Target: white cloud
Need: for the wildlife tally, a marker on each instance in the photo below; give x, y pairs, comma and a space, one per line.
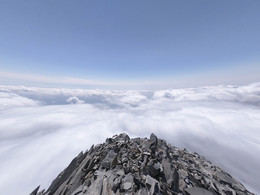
41, 132
14, 100
244, 94
74, 100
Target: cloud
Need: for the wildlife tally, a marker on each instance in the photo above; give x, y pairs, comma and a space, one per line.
41, 131
243, 94
14, 100
74, 100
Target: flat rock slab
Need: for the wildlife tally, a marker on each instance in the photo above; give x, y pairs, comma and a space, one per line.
197, 191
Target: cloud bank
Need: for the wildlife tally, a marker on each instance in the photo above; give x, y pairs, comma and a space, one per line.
42, 129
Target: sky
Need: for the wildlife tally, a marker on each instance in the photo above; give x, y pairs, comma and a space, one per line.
129, 44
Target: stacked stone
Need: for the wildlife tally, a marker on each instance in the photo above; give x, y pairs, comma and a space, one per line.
141, 166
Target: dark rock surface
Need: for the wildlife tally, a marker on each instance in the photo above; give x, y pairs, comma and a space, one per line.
141, 166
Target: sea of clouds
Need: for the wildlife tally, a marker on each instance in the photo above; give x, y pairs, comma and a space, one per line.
43, 129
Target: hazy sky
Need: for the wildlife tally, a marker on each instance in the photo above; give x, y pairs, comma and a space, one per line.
102, 42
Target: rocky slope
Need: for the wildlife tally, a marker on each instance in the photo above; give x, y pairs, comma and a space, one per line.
141, 166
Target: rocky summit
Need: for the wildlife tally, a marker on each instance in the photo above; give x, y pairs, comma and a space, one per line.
141, 166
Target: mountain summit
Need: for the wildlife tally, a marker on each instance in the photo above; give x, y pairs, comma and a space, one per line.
141, 166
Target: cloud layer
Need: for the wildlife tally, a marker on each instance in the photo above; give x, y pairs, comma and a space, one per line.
42, 129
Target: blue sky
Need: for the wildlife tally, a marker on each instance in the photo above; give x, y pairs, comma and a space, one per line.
131, 42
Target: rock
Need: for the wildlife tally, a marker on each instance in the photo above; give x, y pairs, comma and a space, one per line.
153, 170
142, 191
141, 166
226, 179
122, 138
127, 182
34, 192
197, 191
64, 175
110, 160
167, 170
175, 182
78, 191
96, 187
153, 142
152, 185
158, 166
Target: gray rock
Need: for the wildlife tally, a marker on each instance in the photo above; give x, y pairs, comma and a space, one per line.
197, 191
96, 187
34, 192
153, 142
110, 160
152, 185
225, 178
128, 182
141, 166
78, 191
64, 175
142, 191
122, 138
153, 171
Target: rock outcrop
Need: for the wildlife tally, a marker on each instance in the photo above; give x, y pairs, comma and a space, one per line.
141, 166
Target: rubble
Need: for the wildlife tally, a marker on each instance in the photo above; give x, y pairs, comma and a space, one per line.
141, 166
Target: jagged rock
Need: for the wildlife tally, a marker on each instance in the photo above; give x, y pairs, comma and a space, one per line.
141, 166
110, 160
128, 182
197, 191
34, 192
152, 185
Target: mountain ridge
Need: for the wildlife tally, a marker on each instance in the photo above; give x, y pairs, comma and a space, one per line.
141, 166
